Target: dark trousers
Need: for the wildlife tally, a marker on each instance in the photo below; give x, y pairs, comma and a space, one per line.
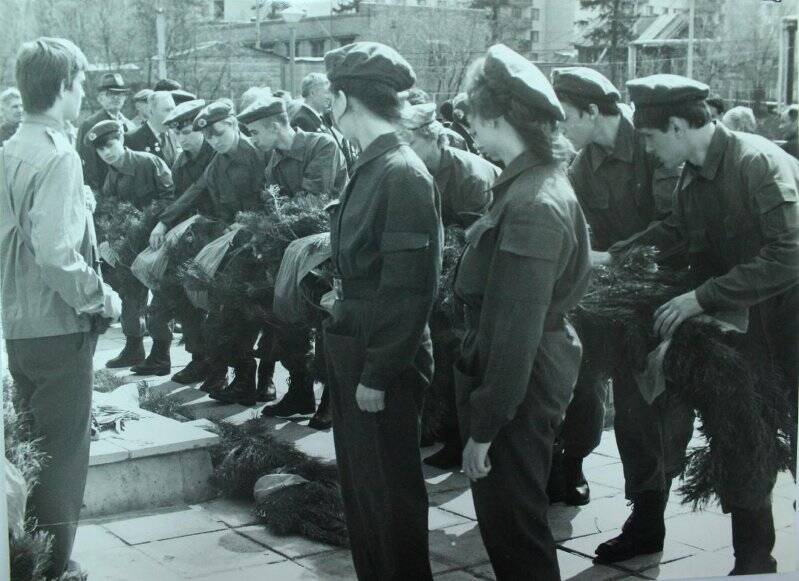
158, 318
54, 378
383, 489
134, 311
582, 426
230, 336
651, 438
160, 313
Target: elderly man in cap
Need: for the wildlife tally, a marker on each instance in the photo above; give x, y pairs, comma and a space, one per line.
142, 109
736, 208
316, 101
137, 178
300, 162
622, 189
10, 112
111, 94
154, 136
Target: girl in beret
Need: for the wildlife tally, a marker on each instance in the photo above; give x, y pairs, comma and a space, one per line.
525, 265
386, 250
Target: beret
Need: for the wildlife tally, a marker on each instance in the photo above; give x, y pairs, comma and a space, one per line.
507, 70
213, 112
261, 109
167, 85
584, 83
184, 113
665, 90
416, 116
98, 135
142, 95
112, 82
181, 96
370, 61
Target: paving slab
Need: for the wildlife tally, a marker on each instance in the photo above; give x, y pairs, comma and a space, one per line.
283, 571
704, 530
92, 537
572, 567
122, 564
702, 565
232, 512
335, 566
459, 502
672, 550
291, 546
167, 525
441, 519
459, 575
458, 546
602, 514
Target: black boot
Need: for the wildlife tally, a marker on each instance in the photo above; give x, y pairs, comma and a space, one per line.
575, 487
132, 354
158, 361
753, 540
449, 457
642, 534
242, 388
196, 370
266, 386
299, 400
322, 420
216, 378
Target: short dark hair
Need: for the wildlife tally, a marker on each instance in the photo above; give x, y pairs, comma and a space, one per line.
43, 67
537, 128
381, 99
696, 113
583, 104
793, 112
717, 103
310, 81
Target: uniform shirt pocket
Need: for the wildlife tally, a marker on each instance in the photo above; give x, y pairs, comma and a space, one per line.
406, 261
523, 269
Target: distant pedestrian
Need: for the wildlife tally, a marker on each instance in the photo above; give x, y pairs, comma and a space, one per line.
740, 119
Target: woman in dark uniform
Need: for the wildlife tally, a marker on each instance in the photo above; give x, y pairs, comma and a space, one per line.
526, 264
386, 249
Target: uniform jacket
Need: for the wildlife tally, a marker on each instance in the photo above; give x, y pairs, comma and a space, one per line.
622, 190
232, 182
314, 164
791, 145
94, 169
140, 179
144, 139
7, 130
386, 236
308, 120
464, 181
186, 171
54, 290
525, 265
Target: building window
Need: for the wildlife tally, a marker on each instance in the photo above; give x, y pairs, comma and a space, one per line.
516, 12
318, 47
534, 56
524, 46
345, 40
534, 35
536, 14
219, 9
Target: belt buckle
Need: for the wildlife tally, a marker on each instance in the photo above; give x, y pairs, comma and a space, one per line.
338, 289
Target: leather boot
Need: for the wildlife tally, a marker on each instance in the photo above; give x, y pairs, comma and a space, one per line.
576, 491
196, 370
322, 419
642, 534
216, 378
299, 400
753, 540
242, 389
132, 354
158, 361
266, 386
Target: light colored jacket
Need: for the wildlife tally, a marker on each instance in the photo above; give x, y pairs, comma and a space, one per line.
49, 284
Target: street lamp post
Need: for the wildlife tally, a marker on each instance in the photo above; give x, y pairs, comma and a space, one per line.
292, 16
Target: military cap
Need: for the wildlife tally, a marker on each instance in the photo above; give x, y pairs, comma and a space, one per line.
167, 85
98, 135
584, 83
181, 96
113, 83
213, 112
370, 61
184, 113
416, 116
665, 90
261, 109
142, 95
507, 70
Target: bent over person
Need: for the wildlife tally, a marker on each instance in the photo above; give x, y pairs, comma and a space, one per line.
386, 239
54, 301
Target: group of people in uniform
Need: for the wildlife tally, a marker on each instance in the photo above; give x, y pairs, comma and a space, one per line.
548, 178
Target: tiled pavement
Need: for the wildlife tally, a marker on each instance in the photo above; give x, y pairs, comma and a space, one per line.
220, 540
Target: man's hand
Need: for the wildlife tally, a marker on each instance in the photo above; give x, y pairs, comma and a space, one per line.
671, 315
157, 236
476, 463
370, 400
599, 258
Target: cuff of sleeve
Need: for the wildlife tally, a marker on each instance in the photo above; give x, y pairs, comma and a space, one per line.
483, 428
375, 380
705, 295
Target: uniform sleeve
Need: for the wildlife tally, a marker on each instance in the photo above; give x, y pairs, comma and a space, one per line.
518, 293
164, 186
58, 226
186, 203
668, 235
579, 178
88, 156
410, 251
323, 171
472, 200
775, 268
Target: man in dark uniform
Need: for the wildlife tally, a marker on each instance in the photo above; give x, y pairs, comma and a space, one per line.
142, 109
736, 208
111, 95
154, 136
622, 189
232, 182
194, 157
300, 162
139, 179
10, 112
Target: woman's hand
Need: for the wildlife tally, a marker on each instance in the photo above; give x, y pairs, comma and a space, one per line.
157, 236
370, 400
476, 463
672, 314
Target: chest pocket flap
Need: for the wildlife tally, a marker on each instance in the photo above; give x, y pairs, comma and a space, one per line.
532, 241
398, 241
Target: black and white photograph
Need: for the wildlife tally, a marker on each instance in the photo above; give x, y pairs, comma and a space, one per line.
399, 290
